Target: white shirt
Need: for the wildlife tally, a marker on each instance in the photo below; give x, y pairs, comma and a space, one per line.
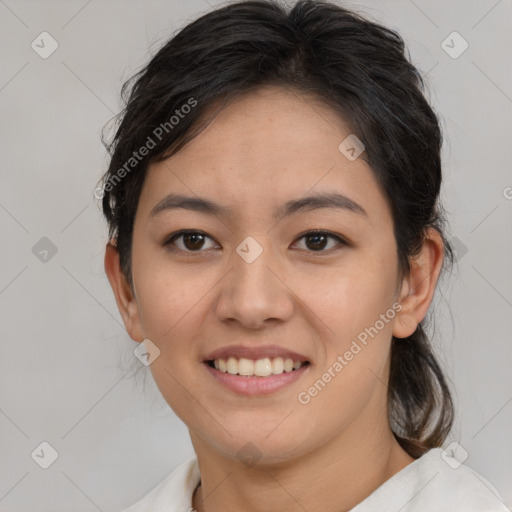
432, 483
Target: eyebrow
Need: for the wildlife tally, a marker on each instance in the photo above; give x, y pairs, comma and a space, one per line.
308, 203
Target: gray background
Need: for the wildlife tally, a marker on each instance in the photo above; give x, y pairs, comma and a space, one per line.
64, 353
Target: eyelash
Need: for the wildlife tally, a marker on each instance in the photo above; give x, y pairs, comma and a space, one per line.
174, 236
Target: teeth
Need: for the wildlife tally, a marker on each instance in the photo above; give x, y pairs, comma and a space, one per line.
261, 367
277, 365
232, 366
245, 366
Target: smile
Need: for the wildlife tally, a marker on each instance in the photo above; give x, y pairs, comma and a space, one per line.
261, 367
249, 383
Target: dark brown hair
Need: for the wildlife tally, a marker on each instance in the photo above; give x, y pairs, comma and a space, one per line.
353, 65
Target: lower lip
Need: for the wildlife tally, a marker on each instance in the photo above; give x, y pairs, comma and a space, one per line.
254, 385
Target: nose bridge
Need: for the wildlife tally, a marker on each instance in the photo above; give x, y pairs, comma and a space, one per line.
251, 262
253, 293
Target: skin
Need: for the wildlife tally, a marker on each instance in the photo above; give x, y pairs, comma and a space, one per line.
264, 149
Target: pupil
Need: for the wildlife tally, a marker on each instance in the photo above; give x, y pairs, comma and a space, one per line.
189, 241
316, 237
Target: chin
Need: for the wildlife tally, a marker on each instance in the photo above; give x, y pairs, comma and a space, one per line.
259, 449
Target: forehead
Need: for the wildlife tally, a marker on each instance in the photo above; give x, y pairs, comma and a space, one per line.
262, 149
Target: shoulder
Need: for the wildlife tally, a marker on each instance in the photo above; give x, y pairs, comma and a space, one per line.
456, 485
173, 493
435, 481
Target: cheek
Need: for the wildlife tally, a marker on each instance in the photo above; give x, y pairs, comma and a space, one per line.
169, 297
171, 306
353, 366
353, 300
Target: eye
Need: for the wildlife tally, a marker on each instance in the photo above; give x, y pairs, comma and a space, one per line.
192, 241
316, 241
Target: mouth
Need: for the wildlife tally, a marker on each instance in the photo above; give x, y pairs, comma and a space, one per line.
255, 377
255, 370
264, 368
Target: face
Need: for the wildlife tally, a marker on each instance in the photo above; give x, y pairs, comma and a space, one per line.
250, 280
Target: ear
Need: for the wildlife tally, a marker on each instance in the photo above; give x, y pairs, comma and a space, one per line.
418, 288
126, 301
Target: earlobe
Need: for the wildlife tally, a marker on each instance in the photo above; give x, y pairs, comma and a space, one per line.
126, 302
419, 286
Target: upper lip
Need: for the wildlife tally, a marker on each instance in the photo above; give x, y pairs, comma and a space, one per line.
259, 352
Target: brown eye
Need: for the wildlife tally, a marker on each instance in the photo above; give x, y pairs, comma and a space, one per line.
317, 241
192, 241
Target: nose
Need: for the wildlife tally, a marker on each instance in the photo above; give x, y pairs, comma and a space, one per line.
254, 294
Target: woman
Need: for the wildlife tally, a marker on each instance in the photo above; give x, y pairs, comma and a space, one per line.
275, 243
